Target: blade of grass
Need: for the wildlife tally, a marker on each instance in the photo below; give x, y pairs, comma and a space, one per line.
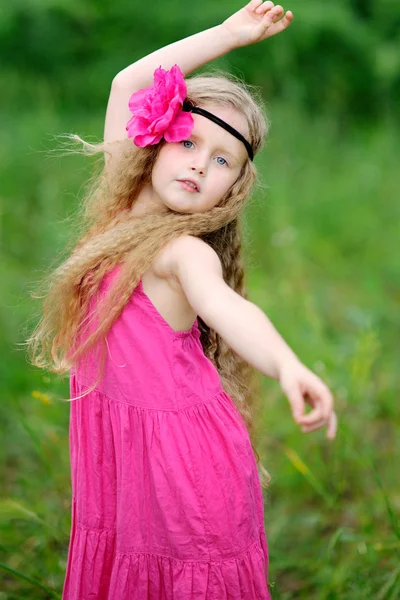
395, 591
37, 442
311, 478
50, 591
388, 585
367, 459
10, 509
389, 508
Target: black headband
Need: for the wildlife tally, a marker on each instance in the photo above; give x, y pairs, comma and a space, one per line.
189, 107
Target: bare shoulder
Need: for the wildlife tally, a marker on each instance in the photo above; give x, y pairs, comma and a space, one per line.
193, 271
185, 254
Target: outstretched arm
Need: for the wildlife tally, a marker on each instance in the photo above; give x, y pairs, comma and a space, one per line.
248, 331
251, 24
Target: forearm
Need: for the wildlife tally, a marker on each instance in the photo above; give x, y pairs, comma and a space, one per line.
190, 54
249, 332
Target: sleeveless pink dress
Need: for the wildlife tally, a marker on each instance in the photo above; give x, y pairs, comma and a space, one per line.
166, 497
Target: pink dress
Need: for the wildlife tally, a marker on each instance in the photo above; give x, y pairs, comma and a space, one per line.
166, 496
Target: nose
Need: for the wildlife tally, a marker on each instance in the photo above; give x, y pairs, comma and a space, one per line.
198, 170
199, 164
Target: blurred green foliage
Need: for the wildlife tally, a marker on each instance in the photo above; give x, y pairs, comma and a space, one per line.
323, 263
341, 56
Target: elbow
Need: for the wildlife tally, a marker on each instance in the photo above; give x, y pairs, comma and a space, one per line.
118, 81
222, 309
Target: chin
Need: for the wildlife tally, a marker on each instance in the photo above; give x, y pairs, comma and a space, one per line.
179, 209
183, 209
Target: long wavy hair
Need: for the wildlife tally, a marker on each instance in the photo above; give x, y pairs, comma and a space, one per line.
106, 234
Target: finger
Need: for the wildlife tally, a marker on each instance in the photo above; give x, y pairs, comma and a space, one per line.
296, 402
332, 427
312, 417
325, 397
318, 425
321, 397
284, 23
276, 13
322, 411
272, 15
265, 6
277, 26
254, 4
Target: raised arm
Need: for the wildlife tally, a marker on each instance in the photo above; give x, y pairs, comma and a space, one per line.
189, 53
253, 23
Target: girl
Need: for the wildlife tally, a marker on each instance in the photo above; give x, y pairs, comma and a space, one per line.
166, 495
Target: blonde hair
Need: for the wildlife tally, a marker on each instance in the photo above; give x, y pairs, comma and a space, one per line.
107, 234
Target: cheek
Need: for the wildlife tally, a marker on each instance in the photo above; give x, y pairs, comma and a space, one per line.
165, 164
224, 181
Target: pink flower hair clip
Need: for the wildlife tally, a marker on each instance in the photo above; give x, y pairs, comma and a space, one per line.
157, 110
163, 111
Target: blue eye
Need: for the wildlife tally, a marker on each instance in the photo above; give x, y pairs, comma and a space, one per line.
184, 142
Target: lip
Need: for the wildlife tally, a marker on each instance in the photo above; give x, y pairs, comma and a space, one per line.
192, 181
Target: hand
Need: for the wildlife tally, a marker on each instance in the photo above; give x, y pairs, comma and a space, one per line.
302, 386
257, 21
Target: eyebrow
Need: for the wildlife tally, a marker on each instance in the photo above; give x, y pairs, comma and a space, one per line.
218, 147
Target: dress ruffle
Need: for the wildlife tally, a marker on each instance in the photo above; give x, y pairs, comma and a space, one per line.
142, 575
124, 534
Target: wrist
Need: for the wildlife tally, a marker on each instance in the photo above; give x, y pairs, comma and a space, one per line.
230, 39
285, 363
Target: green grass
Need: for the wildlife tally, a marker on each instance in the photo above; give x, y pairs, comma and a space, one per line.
322, 249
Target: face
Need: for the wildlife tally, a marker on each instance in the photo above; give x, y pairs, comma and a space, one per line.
212, 157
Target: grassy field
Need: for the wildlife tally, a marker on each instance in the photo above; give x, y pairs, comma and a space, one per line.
323, 263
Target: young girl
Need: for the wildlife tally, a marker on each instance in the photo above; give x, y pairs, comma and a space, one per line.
166, 495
